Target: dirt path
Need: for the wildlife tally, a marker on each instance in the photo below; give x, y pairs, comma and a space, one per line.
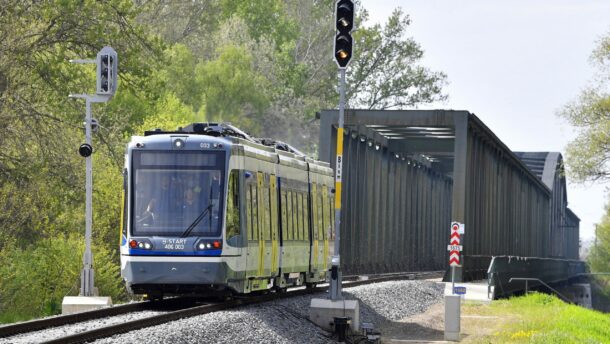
429, 327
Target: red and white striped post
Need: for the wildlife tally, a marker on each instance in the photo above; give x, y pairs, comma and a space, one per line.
454, 249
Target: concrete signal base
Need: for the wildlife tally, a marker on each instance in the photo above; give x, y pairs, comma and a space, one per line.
323, 311
452, 317
77, 304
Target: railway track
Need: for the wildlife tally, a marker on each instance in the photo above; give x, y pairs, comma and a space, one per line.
179, 308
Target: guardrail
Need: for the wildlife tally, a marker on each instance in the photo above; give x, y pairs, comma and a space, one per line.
541, 282
549, 271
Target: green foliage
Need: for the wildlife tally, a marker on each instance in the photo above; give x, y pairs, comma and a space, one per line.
179, 75
543, 318
588, 155
599, 256
264, 18
264, 65
230, 85
35, 279
385, 73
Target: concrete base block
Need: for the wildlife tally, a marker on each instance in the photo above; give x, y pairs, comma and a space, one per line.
452, 317
323, 311
77, 304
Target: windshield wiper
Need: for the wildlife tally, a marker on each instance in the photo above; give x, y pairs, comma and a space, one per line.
201, 216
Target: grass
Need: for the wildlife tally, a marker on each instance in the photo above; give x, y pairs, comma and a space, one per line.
535, 318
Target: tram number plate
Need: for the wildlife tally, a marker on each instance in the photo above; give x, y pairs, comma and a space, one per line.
173, 244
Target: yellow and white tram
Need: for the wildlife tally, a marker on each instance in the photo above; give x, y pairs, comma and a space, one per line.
209, 209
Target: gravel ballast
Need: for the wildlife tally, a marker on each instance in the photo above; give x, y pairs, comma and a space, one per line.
286, 320
66, 330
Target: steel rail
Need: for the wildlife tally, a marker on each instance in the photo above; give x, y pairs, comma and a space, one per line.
41, 324
108, 331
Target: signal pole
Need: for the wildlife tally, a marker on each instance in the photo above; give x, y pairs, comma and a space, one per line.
107, 69
334, 312
344, 21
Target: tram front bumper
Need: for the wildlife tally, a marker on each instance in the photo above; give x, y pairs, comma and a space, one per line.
163, 270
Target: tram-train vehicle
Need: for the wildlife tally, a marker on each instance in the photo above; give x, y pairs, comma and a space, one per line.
209, 209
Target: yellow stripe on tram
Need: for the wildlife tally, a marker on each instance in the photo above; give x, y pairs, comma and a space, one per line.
274, 226
261, 223
122, 217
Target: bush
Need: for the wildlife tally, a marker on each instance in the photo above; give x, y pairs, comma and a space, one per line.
35, 279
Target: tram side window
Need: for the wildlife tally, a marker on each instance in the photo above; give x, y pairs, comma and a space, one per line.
306, 215
295, 215
284, 222
326, 211
321, 205
302, 213
299, 215
255, 213
289, 211
252, 211
233, 205
249, 229
331, 207
267, 212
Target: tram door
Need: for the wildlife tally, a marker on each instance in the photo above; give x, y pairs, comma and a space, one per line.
319, 194
263, 224
263, 236
254, 259
268, 225
315, 227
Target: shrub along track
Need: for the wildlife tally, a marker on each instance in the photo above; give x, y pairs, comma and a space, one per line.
177, 308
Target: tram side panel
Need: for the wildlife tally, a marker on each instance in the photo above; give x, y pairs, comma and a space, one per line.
261, 253
321, 211
294, 221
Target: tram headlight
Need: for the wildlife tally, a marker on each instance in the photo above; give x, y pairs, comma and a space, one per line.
208, 245
178, 143
143, 244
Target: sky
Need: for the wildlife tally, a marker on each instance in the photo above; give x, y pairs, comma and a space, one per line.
514, 64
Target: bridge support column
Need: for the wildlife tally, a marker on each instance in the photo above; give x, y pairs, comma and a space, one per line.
460, 160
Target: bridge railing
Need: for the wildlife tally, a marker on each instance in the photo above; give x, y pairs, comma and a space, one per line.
529, 272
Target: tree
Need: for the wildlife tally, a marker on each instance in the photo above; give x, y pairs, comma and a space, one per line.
599, 256
588, 156
264, 65
41, 173
385, 73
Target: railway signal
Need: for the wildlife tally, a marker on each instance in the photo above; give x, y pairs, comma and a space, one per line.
85, 150
106, 83
107, 70
344, 21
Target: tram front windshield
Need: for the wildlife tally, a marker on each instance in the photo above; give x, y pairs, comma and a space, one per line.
177, 193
